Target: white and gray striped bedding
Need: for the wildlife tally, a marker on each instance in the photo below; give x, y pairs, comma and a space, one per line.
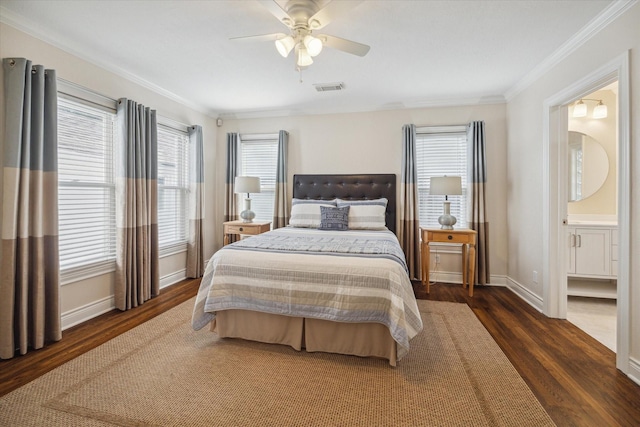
344, 276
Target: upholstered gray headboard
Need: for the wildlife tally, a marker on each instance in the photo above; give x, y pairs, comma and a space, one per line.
349, 187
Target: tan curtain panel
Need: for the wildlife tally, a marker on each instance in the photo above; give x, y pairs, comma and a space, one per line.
477, 203
30, 269
409, 229
230, 200
195, 242
281, 207
137, 273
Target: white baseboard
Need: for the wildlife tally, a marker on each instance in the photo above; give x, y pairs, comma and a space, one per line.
529, 297
88, 311
78, 315
634, 370
173, 278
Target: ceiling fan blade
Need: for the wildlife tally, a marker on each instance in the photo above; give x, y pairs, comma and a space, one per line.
344, 45
335, 9
259, 38
280, 14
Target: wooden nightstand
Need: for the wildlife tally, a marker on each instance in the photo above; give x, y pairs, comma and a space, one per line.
462, 237
240, 227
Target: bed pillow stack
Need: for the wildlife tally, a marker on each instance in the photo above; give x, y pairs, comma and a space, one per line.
362, 214
305, 213
366, 214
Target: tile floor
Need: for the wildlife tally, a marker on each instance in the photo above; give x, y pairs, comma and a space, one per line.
595, 316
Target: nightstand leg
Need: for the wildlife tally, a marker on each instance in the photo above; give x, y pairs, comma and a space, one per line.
426, 261
465, 265
472, 268
226, 239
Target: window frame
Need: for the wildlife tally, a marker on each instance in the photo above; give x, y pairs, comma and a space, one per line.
76, 94
271, 138
459, 131
175, 247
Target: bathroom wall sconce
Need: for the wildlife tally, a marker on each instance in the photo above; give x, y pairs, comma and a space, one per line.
599, 112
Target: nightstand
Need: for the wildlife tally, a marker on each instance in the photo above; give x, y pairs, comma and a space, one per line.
245, 228
464, 237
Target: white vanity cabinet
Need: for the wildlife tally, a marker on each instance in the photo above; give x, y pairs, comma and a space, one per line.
593, 251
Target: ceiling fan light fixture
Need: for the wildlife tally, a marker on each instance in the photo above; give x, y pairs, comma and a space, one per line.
313, 45
285, 45
580, 109
304, 59
600, 111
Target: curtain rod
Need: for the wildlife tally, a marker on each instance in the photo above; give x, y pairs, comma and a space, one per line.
88, 95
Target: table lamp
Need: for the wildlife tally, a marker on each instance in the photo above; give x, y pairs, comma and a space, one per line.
447, 186
247, 184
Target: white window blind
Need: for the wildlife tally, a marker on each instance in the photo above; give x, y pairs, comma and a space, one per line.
258, 157
173, 186
441, 151
86, 191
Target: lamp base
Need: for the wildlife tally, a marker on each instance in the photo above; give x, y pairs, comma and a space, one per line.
247, 214
446, 220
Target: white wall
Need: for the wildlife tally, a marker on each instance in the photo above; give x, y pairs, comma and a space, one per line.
88, 296
525, 153
372, 143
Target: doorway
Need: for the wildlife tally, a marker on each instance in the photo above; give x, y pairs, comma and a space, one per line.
555, 207
591, 235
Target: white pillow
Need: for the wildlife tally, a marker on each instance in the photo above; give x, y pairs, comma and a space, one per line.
366, 214
305, 213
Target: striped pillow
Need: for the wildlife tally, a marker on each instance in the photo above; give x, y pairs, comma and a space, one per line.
305, 213
366, 214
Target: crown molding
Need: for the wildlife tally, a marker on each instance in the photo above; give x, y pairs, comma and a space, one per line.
20, 23
601, 21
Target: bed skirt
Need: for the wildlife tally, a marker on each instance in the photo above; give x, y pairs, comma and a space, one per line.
358, 339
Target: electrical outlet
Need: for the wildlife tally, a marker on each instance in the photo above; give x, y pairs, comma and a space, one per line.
437, 258
534, 276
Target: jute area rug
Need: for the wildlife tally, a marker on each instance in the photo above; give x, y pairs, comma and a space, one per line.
164, 374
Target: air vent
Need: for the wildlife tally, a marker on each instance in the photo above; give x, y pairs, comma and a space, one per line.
325, 87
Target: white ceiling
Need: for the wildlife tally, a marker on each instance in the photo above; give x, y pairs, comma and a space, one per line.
422, 53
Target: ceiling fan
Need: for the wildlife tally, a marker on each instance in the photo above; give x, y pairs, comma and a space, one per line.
303, 17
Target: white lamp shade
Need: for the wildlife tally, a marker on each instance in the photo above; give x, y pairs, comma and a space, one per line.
445, 185
284, 45
580, 109
600, 112
304, 59
247, 184
313, 45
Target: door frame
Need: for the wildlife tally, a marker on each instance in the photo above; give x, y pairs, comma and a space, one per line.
555, 128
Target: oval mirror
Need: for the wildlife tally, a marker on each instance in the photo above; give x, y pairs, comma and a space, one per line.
588, 166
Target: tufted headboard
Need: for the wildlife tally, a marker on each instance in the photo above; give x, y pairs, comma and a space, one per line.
349, 187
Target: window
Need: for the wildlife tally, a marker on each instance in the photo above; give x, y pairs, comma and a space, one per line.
441, 151
86, 190
258, 157
173, 186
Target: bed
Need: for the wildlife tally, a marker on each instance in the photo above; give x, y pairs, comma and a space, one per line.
327, 290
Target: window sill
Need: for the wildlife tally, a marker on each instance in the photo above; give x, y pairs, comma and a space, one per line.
173, 249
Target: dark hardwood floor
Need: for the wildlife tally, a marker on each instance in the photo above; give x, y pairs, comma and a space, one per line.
572, 374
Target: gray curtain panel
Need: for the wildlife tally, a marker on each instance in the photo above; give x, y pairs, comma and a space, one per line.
281, 207
195, 242
29, 282
409, 229
477, 203
230, 200
137, 273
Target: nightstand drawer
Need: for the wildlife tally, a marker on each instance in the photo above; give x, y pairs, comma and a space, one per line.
242, 229
449, 237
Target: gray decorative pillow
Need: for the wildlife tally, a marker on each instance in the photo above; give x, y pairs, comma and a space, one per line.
336, 219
